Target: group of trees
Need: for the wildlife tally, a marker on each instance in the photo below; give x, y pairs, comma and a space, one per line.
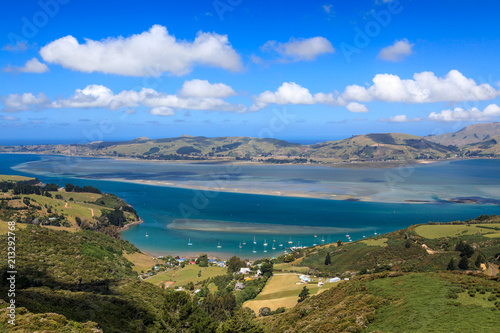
86, 189
466, 251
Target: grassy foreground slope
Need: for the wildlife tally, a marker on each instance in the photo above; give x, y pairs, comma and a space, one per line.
82, 276
397, 302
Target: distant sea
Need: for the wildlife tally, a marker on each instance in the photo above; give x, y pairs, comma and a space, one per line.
175, 217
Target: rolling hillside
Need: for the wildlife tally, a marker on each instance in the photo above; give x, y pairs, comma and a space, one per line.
369, 147
468, 135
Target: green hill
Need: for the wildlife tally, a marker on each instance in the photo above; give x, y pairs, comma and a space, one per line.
369, 147
468, 135
397, 302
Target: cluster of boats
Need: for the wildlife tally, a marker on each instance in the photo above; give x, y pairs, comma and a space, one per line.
274, 244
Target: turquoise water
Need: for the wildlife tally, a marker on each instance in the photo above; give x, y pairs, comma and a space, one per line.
228, 218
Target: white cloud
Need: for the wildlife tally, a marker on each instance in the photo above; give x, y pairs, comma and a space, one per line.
425, 87
98, 96
292, 93
491, 112
9, 118
300, 49
18, 47
24, 102
401, 118
32, 66
162, 111
397, 51
356, 107
203, 89
327, 8
150, 53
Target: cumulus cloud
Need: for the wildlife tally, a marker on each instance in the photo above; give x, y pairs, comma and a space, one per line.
24, 102
300, 49
356, 107
397, 51
400, 118
491, 112
204, 89
98, 96
162, 111
425, 87
292, 93
32, 66
150, 53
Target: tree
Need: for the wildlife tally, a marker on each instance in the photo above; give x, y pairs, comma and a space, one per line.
234, 264
303, 294
242, 321
328, 260
465, 249
463, 263
479, 260
202, 260
267, 269
264, 312
452, 265
339, 243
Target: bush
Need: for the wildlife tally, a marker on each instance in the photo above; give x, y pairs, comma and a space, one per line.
264, 312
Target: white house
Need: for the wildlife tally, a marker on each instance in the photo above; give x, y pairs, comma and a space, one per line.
305, 278
244, 270
335, 279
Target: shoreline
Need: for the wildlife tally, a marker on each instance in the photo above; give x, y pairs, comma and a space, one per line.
324, 196
338, 164
131, 225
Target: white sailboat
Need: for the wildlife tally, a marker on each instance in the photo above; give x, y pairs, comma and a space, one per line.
189, 242
147, 234
290, 241
265, 242
240, 246
254, 241
323, 239
219, 246
254, 250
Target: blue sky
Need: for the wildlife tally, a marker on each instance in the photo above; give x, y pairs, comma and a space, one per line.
80, 71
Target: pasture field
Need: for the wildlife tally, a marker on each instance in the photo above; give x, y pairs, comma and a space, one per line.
452, 230
284, 267
375, 242
141, 261
283, 290
11, 178
4, 227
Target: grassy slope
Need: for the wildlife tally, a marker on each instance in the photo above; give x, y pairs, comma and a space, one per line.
392, 146
454, 230
422, 299
416, 302
283, 291
391, 249
82, 205
9, 178
78, 275
468, 135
